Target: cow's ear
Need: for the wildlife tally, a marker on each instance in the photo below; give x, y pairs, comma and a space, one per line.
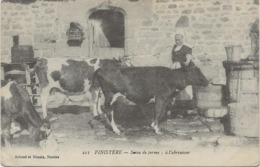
184, 67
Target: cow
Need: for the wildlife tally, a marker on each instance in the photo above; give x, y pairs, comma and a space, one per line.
70, 77
141, 84
16, 106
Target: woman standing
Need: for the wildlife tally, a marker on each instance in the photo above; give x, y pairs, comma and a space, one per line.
182, 56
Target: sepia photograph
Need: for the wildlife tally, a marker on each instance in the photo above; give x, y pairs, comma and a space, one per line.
130, 83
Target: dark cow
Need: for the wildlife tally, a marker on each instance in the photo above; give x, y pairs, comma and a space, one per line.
141, 84
70, 77
16, 106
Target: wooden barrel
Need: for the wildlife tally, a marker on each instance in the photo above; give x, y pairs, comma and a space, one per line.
243, 84
209, 97
244, 119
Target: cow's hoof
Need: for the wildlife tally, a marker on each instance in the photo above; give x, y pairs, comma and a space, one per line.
159, 133
118, 133
153, 125
97, 117
16, 136
53, 119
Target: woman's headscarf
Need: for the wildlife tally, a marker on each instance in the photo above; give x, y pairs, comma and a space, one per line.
185, 36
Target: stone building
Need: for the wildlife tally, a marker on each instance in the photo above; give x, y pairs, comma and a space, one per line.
147, 27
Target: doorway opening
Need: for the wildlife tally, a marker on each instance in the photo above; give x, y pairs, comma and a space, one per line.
107, 33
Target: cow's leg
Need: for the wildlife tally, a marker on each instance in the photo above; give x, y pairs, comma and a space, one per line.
110, 113
6, 125
113, 124
161, 102
95, 105
45, 92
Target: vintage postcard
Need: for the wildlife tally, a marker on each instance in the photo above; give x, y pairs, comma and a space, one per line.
130, 83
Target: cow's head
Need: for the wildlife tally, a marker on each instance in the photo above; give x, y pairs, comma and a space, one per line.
43, 132
195, 76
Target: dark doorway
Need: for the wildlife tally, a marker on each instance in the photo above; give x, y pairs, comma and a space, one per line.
110, 25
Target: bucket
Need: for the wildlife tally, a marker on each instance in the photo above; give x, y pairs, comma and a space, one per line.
234, 52
244, 119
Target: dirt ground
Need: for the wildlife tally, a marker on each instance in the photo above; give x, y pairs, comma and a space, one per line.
75, 129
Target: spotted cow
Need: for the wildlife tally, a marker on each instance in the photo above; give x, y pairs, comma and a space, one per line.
70, 77
141, 84
16, 106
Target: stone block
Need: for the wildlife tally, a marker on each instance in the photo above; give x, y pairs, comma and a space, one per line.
13, 13
39, 25
28, 19
169, 17
25, 40
19, 7
6, 58
49, 25
175, 11
215, 112
207, 136
38, 37
172, 6
198, 25
150, 34
161, 1
253, 8
202, 129
227, 7
4, 52
12, 33
5, 26
188, 11
147, 23
51, 37
224, 19
231, 141
154, 29
199, 10
24, 13
213, 8
29, 26
206, 32
37, 53
35, 11
161, 12
44, 46
6, 42
17, 26
238, 8
44, 4
215, 126
49, 10
183, 21
35, 6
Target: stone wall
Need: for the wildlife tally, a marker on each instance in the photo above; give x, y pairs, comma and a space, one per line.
209, 25
150, 27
